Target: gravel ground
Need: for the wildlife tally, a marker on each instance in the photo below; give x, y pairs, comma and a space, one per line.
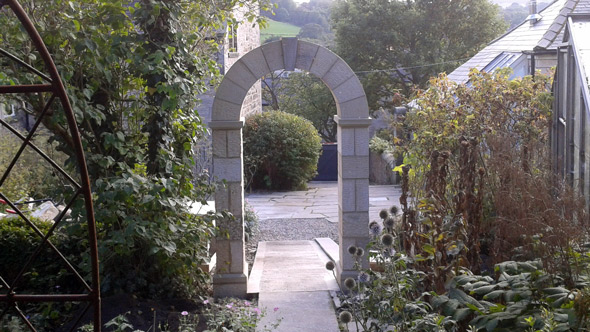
290, 229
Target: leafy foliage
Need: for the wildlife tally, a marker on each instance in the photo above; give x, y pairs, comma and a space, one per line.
512, 301
476, 154
477, 189
281, 150
133, 73
404, 43
25, 181
306, 96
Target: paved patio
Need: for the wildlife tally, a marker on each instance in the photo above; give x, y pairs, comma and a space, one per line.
319, 201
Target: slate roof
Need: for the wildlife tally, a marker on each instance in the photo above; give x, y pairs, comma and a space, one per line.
545, 34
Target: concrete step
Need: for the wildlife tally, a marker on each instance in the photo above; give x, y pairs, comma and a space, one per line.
291, 276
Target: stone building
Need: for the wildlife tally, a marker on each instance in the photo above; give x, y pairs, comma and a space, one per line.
237, 41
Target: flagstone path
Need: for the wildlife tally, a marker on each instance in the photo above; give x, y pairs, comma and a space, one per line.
291, 275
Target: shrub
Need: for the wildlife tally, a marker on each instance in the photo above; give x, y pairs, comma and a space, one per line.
250, 222
281, 151
379, 145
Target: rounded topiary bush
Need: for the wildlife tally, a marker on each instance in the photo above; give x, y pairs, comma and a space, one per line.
281, 151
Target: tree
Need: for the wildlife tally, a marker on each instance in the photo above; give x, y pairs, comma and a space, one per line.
306, 96
133, 73
403, 43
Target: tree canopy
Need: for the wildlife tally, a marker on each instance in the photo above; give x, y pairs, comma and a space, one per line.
403, 43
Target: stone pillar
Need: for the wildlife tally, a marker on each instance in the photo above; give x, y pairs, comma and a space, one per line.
231, 270
353, 191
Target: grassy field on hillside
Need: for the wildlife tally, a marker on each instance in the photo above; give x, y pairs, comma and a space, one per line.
279, 29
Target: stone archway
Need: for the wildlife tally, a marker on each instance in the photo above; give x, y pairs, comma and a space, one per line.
353, 152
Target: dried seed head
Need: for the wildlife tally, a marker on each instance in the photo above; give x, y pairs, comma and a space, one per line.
394, 210
360, 252
375, 229
383, 214
387, 240
349, 283
481, 171
330, 266
345, 317
352, 250
364, 277
389, 222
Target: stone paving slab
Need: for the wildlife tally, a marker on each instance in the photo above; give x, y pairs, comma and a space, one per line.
300, 311
319, 201
291, 276
293, 266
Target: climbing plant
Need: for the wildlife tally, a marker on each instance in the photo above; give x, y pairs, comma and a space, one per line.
133, 71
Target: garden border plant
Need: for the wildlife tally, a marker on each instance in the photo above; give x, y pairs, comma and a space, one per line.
478, 194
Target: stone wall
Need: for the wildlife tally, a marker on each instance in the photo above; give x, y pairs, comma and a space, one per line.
381, 168
248, 38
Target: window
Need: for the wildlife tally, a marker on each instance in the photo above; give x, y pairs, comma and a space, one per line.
232, 37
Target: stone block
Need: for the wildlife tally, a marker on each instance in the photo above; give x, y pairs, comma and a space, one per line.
361, 141
346, 195
354, 224
219, 143
346, 141
223, 253
255, 61
234, 144
224, 110
231, 92
273, 53
323, 62
306, 53
362, 194
338, 74
353, 167
241, 75
355, 108
289, 52
236, 199
221, 198
229, 169
349, 90
230, 285
238, 261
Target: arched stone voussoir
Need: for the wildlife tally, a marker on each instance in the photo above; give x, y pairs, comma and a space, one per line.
323, 62
225, 111
230, 91
353, 108
273, 54
306, 53
350, 90
255, 62
240, 74
337, 75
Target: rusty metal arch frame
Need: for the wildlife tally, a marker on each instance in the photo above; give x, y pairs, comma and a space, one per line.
54, 86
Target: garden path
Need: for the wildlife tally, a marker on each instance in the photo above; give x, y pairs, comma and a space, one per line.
291, 275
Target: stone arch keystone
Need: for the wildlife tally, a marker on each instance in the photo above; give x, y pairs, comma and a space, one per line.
353, 120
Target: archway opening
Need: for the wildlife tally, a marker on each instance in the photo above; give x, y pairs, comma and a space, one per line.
353, 152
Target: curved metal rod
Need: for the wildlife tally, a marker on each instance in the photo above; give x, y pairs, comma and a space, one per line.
60, 92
